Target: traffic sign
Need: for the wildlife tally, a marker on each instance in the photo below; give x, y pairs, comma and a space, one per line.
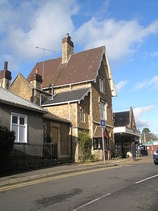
102, 123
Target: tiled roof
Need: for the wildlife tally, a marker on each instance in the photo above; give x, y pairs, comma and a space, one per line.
8, 97
82, 66
98, 132
67, 97
121, 118
54, 117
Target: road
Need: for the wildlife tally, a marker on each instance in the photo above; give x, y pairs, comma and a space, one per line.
129, 186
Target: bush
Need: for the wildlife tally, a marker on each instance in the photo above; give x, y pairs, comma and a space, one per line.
114, 153
7, 138
85, 142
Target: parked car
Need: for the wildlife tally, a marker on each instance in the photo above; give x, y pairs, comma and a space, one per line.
155, 157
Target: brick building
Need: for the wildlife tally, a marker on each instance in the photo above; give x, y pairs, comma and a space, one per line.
37, 124
81, 87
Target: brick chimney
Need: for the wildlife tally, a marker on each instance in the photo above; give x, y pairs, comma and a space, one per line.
5, 77
36, 80
67, 48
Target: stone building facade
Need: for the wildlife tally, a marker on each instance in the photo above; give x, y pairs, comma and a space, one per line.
88, 71
77, 87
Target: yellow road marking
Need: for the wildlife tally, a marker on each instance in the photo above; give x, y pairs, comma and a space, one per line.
38, 181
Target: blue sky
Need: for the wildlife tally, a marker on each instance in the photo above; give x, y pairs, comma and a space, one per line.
127, 28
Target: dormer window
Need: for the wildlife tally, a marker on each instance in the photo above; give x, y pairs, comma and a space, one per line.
101, 84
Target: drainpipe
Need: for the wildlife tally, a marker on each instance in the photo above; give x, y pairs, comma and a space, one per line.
70, 126
40, 99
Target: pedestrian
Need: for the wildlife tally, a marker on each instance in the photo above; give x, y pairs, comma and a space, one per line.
133, 150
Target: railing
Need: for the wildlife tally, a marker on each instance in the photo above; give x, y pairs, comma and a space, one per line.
34, 151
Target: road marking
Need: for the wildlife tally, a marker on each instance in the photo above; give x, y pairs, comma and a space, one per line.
51, 178
91, 202
146, 179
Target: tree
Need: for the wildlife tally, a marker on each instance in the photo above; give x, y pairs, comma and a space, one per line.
85, 142
147, 135
7, 139
145, 130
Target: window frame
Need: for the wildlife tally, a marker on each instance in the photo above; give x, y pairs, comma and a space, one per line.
82, 114
101, 84
20, 129
97, 144
103, 110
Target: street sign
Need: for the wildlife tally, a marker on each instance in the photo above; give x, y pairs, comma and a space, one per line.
102, 123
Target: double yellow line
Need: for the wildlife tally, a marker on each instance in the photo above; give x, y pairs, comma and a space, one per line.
52, 178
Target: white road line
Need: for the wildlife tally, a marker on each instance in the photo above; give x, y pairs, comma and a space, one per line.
146, 179
91, 202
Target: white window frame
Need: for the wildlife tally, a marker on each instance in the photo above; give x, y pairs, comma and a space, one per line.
20, 129
82, 115
101, 85
103, 110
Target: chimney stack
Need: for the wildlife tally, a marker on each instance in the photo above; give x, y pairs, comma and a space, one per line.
5, 65
5, 77
67, 48
36, 80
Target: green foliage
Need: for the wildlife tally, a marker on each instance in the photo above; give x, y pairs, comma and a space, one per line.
147, 135
85, 142
114, 153
90, 158
7, 139
145, 130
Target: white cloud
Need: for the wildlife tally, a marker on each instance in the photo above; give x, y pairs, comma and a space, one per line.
139, 112
139, 85
121, 85
145, 84
44, 23
154, 54
154, 82
28, 24
121, 38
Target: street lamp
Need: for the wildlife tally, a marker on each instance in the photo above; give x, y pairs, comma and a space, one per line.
44, 49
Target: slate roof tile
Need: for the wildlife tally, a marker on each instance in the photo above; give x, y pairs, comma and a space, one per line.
66, 97
82, 66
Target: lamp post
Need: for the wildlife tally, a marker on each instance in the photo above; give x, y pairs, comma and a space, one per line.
44, 49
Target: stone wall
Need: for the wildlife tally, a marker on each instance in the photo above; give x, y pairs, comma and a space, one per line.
21, 87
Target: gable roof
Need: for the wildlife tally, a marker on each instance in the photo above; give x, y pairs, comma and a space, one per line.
67, 97
121, 118
21, 76
125, 118
124, 122
81, 67
7, 97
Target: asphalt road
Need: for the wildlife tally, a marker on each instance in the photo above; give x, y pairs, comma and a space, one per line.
129, 186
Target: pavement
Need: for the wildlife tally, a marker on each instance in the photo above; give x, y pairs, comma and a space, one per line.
67, 169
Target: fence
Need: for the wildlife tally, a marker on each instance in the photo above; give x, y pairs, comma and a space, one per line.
33, 151
25, 157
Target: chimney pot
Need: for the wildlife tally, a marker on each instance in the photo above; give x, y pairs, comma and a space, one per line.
37, 70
